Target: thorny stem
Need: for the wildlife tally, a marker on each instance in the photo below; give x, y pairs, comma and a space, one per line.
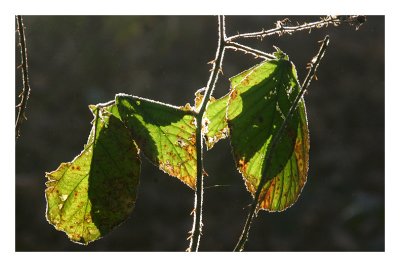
25, 80
281, 28
198, 200
246, 49
253, 209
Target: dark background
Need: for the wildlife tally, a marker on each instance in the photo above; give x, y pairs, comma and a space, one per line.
77, 61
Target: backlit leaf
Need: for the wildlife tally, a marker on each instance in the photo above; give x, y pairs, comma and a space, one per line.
214, 119
259, 100
96, 191
284, 189
166, 134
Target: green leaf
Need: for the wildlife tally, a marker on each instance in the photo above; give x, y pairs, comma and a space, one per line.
279, 54
166, 134
96, 191
284, 189
259, 100
215, 126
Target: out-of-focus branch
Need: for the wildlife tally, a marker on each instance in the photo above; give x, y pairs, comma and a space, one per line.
25, 80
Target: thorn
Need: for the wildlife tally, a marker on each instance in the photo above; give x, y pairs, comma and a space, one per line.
314, 60
221, 71
205, 173
19, 66
315, 77
19, 105
193, 211
190, 235
211, 61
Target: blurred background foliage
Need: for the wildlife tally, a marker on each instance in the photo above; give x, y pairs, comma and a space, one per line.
75, 61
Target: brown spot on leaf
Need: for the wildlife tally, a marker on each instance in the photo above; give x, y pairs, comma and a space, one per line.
245, 81
265, 200
242, 164
192, 139
234, 94
250, 187
190, 149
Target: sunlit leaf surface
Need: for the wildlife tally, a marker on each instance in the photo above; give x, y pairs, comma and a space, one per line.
166, 134
214, 120
258, 102
96, 191
284, 189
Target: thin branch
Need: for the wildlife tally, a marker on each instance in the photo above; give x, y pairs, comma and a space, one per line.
281, 27
25, 80
313, 65
198, 200
248, 50
107, 104
253, 209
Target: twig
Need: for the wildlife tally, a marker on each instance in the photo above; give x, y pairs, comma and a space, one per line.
311, 73
246, 49
107, 104
281, 27
25, 80
198, 200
